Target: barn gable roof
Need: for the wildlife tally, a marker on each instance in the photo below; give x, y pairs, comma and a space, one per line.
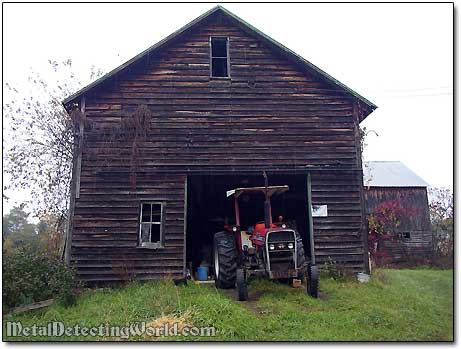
390, 174
369, 106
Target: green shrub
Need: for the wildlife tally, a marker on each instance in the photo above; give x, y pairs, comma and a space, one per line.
334, 270
31, 276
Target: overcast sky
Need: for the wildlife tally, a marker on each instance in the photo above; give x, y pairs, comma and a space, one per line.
399, 56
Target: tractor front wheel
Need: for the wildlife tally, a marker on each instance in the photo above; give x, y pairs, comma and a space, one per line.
313, 280
225, 260
242, 285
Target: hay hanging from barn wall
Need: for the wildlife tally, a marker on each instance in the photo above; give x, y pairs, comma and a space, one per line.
132, 129
137, 125
109, 137
136, 129
77, 117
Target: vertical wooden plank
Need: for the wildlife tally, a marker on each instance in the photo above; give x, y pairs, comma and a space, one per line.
427, 224
184, 257
80, 148
309, 215
210, 59
228, 57
70, 213
363, 225
76, 168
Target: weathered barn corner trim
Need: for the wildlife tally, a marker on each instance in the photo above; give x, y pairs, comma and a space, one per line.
81, 127
363, 226
78, 124
185, 229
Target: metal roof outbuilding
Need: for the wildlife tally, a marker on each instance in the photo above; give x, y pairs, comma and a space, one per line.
390, 174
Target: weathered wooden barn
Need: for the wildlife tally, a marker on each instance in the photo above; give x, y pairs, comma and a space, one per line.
209, 108
387, 181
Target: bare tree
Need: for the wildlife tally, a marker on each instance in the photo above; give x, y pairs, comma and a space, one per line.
38, 146
441, 206
441, 209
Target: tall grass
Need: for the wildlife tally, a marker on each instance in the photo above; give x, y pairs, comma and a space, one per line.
397, 305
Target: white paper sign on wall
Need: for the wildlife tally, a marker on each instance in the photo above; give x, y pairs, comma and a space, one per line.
319, 210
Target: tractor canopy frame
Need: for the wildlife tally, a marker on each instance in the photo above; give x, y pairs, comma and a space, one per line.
268, 192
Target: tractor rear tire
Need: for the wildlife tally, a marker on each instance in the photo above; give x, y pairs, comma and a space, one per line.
225, 260
313, 281
300, 256
241, 285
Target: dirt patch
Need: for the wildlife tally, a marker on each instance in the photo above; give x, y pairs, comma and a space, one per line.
253, 295
250, 304
323, 296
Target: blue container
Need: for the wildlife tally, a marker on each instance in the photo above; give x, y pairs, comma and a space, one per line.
202, 273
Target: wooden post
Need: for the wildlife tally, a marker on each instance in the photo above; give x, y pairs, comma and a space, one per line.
75, 183
80, 148
184, 250
309, 216
363, 224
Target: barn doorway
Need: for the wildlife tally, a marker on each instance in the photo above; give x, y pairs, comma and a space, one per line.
208, 210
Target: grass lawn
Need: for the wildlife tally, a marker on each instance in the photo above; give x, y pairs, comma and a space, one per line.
397, 305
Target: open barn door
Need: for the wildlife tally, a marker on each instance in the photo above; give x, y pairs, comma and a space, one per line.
209, 210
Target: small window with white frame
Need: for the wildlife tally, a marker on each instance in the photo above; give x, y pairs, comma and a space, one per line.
151, 225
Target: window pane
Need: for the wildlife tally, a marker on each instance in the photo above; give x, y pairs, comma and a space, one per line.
145, 232
146, 212
156, 212
219, 67
219, 47
155, 235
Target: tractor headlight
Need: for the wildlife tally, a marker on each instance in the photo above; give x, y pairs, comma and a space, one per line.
271, 247
291, 245
284, 225
234, 229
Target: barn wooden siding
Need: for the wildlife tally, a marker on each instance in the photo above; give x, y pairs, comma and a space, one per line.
420, 243
271, 115
340, 235
106, 227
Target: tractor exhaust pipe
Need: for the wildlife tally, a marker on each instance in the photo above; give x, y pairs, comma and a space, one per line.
267, 214
267, 204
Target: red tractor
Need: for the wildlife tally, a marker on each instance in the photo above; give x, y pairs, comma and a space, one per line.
268, 249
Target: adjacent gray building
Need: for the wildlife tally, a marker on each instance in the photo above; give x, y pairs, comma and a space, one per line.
391, 180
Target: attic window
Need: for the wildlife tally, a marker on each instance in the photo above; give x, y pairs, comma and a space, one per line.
151, 225
219, 57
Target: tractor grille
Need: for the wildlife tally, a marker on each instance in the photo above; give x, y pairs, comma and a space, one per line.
281, 260
281, 236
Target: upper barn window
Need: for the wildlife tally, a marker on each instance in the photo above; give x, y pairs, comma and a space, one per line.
219, 57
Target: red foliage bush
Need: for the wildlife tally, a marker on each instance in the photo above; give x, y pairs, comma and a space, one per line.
383, 224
